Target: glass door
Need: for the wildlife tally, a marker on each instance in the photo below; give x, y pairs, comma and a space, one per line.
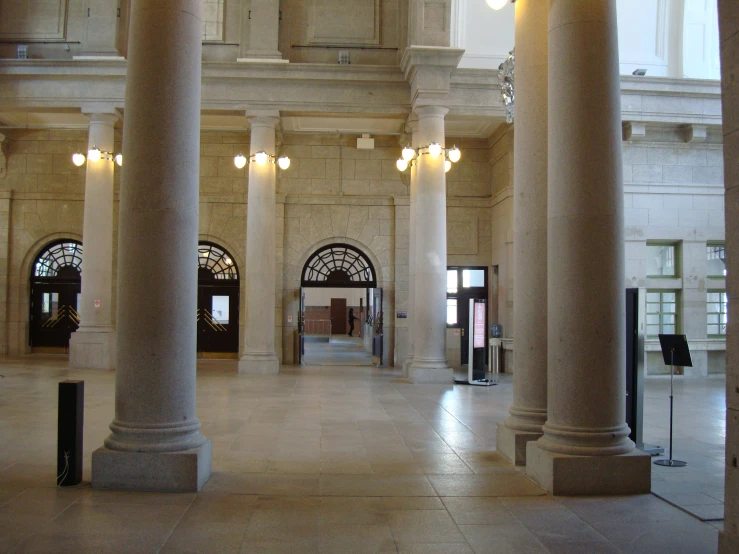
218, 319
54, 315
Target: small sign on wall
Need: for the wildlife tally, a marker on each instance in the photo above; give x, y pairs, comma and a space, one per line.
97, 303
402, 315
456, 332
289, 319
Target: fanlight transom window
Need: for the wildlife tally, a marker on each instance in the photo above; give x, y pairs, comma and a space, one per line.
339, 265
217, 261
66, 254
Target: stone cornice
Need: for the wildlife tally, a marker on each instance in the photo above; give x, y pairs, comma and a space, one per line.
428, 70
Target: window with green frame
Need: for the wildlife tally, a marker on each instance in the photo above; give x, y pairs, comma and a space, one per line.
662, 259
716, 260
662, 312
716, 305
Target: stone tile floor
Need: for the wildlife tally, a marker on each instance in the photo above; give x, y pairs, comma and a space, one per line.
329, 459
340, 350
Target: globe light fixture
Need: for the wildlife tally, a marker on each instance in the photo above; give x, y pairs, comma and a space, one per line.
454, 154
240, 161
283, 161
408, 154
434, 149
447, 166
261, 157
401, 164
497, 4
94, 154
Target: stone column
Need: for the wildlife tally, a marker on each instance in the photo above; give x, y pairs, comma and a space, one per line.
585, 448
429, 362
413, 193
156, 442
529, 410
259, 356
264, 31
92, 346
728, 17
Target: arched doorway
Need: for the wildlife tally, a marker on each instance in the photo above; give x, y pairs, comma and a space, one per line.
55, 289
348, 283
218, 302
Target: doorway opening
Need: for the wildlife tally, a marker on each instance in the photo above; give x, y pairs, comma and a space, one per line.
337, 284
55, 290
218, 303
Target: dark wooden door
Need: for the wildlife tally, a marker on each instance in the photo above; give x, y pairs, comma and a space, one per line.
218, 318
54, 314
338, 316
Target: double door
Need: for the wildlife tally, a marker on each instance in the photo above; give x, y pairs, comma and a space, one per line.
54, 315
218, 319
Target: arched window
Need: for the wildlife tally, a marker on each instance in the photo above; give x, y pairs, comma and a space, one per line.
61, 259
216, 261
339, 265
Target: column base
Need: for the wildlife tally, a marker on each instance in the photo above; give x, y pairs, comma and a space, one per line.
92, 348
563, 474
419, 374
185, 471
407, 366
512, 443
259, 364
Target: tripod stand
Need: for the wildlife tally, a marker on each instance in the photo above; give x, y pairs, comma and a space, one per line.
675, 344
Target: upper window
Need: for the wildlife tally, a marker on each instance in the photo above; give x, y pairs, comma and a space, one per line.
716, 259
662, 260
716, 310
212, 20
61, 257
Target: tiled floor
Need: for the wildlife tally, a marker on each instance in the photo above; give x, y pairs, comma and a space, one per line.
340, 350
320, 459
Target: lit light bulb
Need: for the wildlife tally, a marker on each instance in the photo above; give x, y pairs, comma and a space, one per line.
283, 161
228, 260
401, 164
497, 4
261, 158
447, 166
93, 154
408, 154
240, 161
119, 159
78, 159
455, 154
434, 149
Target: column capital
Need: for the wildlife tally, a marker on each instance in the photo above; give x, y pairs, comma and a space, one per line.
109, 118
428, 70
263, 118
430, 111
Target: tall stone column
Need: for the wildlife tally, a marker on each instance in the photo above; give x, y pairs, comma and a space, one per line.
728, 11
413, 193
429, 362
585, 448
156, 442
259, 356
529, 410
92, 346
263, 18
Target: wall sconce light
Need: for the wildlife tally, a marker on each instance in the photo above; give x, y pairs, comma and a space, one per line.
261, 158
94, 154
409, 156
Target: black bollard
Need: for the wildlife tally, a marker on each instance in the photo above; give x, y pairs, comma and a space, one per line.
69, 435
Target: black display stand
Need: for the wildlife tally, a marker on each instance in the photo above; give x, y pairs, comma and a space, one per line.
674, 351
69, 433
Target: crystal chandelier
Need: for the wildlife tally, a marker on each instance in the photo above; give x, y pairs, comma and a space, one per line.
506, 78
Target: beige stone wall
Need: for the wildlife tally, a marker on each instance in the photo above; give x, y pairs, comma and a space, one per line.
332, 192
